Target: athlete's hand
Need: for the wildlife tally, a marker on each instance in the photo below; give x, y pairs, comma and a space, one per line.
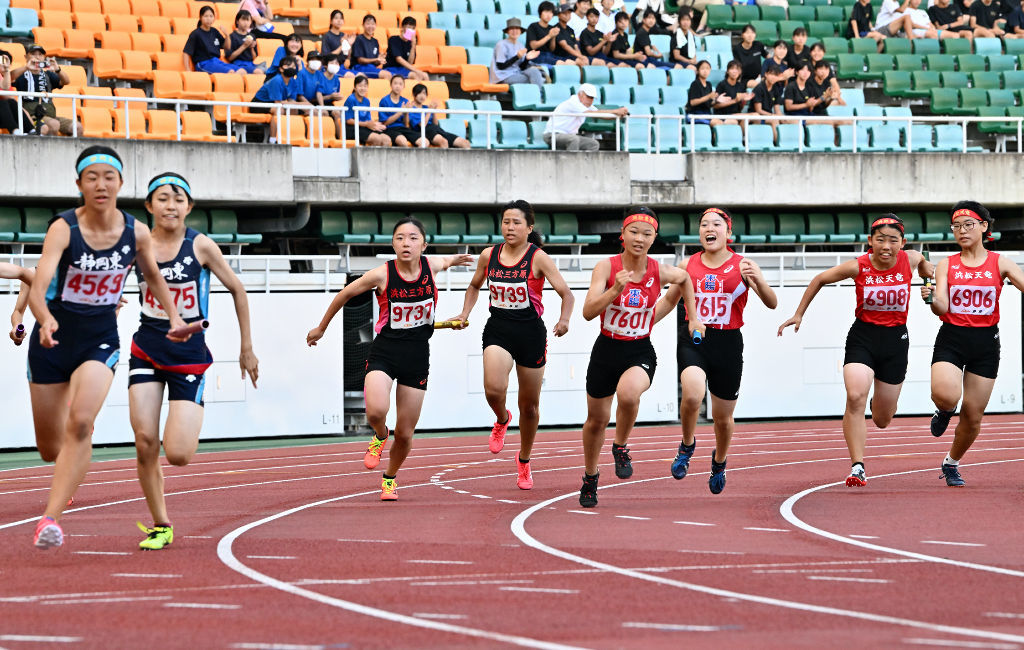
926, 292
250, 365
794, 321
463, 321
175, 323
46, 331
561, 327
314, 335
120, 303
15, 336
749, 270
696, 326
463, 259
622, 278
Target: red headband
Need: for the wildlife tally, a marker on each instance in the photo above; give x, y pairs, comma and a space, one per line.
966, 212
720, 213
887, 221
643, 218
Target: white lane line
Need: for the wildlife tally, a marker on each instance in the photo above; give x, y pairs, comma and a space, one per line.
694, 550
368, 541
82, 601
540, 590
101, 553
679, 627
276, 646
197, 536
462, 491
582, 512
508, 501
480, 496
202, 606
145, 575
693, 523
947, 643
271, 557
439, 562
813, 570
1004, 615
767, 530
877, 581
865, 536
440, 617
632, 517
462, 583
32, 638
935, 541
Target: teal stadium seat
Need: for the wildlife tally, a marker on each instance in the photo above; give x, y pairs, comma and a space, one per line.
336, 227
37, 220
761, 138
512, 134
482, 229
850, 228
10, 223
956, 46
17, 22
926, 46
525, 97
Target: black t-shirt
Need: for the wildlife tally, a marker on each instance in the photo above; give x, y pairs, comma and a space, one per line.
731, 91
814, 89
1015, 19
43, 82
236, 41
750, 59
566, 36
535, 32
987, 15
768, 99
589, 39
864, 16
641, 40
398, 47
682, 46
793, 59
697, 90
204, 45
797, 96
621, 43
945, 15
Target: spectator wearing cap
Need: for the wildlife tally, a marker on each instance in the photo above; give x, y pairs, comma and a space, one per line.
401, 56
282, 90
567, 48
642, 42
540, 36
511, 63
204, 44
621, 50
370, 131
9, 105
309, 77
597, 45
578, 19
42, 75
564, 124
367, 59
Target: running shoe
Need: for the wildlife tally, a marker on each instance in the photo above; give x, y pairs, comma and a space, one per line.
525, 478
388, 490
588, 493
716, 482
857, 477
48, 534
157, 537
498, 431
682, 462
952, 475
940, 420
374, 450
623, 461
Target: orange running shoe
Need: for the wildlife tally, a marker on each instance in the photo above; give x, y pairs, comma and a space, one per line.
48, 534
857, 477
525, 479
374, 450
497, 441
388, 490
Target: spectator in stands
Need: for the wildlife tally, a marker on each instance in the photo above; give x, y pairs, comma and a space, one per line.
565, 121
241, 48
893, 19
798, 98
987, 19
435, 134
292, 47
9, 105
820, 87
336, 42
818, 56
664, 22
309, 77
778, 58
281, 90
596, 45
922, 23
732, 92
401, 55
370, 131
394, 123
862, 17
540, 36
42, 75
684, 41
328, 88
750, 52
606, 19
261, 13
1014, 22
642, 43
202, 49
700, 99
578, 19
367, 59
947, 17
799, 53
567, 48
511, 63
621, 50
768, 95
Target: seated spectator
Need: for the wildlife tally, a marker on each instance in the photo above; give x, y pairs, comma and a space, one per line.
292, 47
261, 13
621, 50
862, 17
336, 42
700, 99
948, 18
241, 47
820, 86
578, 19
367, 59
818, 56
799, 53
596, 45
778, 58
394, 123
750, 52
567, 48
569, 116
309, 78
511, 64
42, 75
9, 105
202, 49
732, 92
1014, 22
768, 95
401, 56
540, 36
684, 41
664, 22
893, 20
798, 98
435, 134
606, 19
987, 20
281, 90
328, 88
642, 43
922, 23
370, 131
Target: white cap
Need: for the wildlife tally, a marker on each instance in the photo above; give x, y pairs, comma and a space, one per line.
589, 90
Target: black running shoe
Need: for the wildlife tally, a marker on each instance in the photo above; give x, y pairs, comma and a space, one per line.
940, 420
623, 462
952, 475
682, 462
716, 482
588, 493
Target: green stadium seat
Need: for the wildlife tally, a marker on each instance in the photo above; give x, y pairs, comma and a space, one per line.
941, 62
971, 63
924, 81
224, 230
542, 226
1013, 79
774, 14
1001, 62
786, 27
743, 234
800, 13
850, 228
334, 227
1014, 46
820, 29
719, 17
674, 229
793, 226
998, 97
821, 226
987, 80
925, 46
897, 83
956, 46
10, 223
834, 46
383, 233
743, 14
850, 66
512, 134
954, 80
877, 64
990, 127
452, 229
198, 220
566, 225
525, 97
896, 46
863, 46
434, 235
830, 13
944, 100
596, 74
763, 225
987, 46
937, 223
482, 229
37, 220
971, 99
909, 62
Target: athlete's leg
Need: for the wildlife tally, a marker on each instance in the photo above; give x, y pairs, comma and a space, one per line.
530, 380
947, 383
692, 380
181, 431
599, 411
632, 384
144, 404
858, 378
49, 415
883, 402
377, 395
89, 385
497, 366
721, 413
408, 403
977, 391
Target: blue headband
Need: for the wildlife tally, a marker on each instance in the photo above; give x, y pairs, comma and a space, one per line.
97, 159
169, 180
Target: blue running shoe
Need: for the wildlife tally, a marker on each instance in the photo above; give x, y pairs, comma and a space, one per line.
716, 482
682, 462
940, 420
952, 475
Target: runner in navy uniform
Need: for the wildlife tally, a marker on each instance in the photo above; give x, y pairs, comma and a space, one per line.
186, 258
514, 334
87, 254
407, 297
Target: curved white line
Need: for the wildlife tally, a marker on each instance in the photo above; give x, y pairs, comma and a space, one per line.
786, 509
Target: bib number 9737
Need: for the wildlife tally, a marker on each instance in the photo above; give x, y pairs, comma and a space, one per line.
405, 315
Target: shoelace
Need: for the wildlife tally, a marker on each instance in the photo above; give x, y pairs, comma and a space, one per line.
623, 454
376, 445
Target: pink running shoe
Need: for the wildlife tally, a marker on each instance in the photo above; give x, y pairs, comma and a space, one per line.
525, 479
48, 534
497, 441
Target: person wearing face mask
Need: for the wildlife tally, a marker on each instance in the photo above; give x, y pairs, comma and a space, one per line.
401, 55
282, 89
309, 77
328, 88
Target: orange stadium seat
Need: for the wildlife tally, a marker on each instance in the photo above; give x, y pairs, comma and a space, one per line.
136, 65
58, 19
267, 46
114, 40
220, 112
310, 46
430, 37
142, 42
252, 83
195, 85
394, 5
55, 5
227, 83
101, 91
476, 78
173, 42
86, 6
122, 23
116, 7
182, 25
319, 21
322, 130
167, 62
25, 4
294, 131
421, 18
174, 8
196, 126
136, 122
106, 64
426, 6
96, 122
145, 8
50, 38
76, 74
94, 23
245, 117
163, 125
287, 29
437, 91
155, 24
64, 104
299, 8
77, 43
167, 83
136, 93
366, 6
426, 58
195, 7
450, 59
377, 89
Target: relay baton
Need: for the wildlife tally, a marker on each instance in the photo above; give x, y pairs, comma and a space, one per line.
697, 338
188, 330
927, 281
448, 324
19, 331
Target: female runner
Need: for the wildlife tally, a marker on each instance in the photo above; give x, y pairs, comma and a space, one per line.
877, 344
624, 290
720, 280
966, 355
401, 349
514, 334
185, 258
87, 253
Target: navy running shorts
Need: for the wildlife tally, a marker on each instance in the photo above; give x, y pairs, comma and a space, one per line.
972, 349
180, 386
611, 358
719, 355
882, 348
79, 339
405, 361
525, 340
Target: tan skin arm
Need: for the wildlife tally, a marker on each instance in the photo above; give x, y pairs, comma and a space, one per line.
18, 314
438, 263
1010, 271
679, 277
925, 269
145, 259
58, 236
600, 295
845, 271
543, 263
473, 290
372, 280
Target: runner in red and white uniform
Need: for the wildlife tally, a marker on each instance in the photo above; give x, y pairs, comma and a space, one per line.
407, 296
878, 342
966, 355
514, 335
721, 279
624, 291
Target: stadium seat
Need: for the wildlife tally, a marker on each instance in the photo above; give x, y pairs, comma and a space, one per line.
756, 229
132, 123
50, 38
956, 46
553, 95
971, 63
512, 134
719, 17
820, 137
941, 62
863, 46
850, 66
1001, 62
1013, 79
948, 137
450, 59
96, 122
850, 228
565, 74
624, 76
728, 137
970, 100
78, 44
926, 46
790, 136
909, 62
636, 135
988, 46
37, 220
987, 80
885, 137
998, 97
163, 125
224, 229
944, 100
475, 78
483, 133
197, 126
595, 74
897, 83
897, 46
767, 30
481, 229
673, 229
921, 137
923, 82
681, 78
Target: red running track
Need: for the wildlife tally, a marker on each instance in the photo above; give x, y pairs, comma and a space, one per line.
291, 548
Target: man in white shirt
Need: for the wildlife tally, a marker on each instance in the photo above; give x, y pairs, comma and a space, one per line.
567, 118
893, 19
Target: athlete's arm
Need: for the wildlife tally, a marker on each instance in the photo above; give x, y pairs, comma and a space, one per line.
473, 290
939, 293
600, 295
155, 282
548, 269
669, 300
10, 271
438, 264
845, 271
679, 277
18, 315
58, 237
1009, 270
208, 254
925, 269
754, 278
371, 280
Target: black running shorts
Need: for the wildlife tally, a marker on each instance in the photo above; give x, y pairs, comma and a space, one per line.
525, 340
405, 361
972, 349
883, 349
611, 358
719, 355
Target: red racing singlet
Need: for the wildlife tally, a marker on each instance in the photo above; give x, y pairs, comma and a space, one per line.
631, 315
883, 297
721, 292
973, 292
407, 306
515, 294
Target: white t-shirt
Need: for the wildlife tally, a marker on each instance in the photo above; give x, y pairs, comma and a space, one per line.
888, 12
605, 23
568, 116
577, 24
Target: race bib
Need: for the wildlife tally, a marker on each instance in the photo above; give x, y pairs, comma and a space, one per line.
507, 295
631, 322
185, 296
972, 300
886, 298
714, 308
93, 287
405, 315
